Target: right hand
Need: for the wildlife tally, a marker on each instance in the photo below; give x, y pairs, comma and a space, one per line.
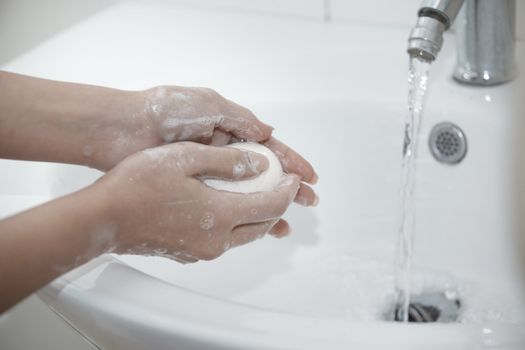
160, 206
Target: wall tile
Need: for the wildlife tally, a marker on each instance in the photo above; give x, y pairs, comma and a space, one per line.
377, 11
305, 8
520, 11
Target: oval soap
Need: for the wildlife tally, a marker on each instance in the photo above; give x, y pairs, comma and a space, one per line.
266, 181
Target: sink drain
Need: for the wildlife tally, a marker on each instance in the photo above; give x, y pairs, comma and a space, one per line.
448, 143
429, 307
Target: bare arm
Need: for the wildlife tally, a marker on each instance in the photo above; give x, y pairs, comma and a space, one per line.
152, 203
38, 245
46, 120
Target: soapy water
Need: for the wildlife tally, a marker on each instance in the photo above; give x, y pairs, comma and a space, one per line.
417, 86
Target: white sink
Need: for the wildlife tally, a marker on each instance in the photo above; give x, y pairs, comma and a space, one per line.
337, 94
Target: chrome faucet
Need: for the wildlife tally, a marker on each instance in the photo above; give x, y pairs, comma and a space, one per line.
486, 37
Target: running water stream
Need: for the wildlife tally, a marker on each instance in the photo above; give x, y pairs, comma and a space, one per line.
417, 85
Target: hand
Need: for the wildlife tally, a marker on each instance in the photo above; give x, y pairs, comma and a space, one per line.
162, 208
200, 115
167, 114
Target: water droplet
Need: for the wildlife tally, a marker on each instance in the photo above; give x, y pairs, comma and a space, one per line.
207, 221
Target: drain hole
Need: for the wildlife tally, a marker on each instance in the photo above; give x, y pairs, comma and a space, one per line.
448, 143
418, 313
429, 307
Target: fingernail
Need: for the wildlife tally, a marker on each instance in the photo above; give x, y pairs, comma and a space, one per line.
301, 201
268, 126
256, 162
315, 179
316, 201
285, 232
269, 133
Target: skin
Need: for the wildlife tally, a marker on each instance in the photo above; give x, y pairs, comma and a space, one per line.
155, 147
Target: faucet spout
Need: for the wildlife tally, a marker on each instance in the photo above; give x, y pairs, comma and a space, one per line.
486, 37
434, 18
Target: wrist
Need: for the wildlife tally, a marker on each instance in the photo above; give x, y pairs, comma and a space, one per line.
100, 219
121, 128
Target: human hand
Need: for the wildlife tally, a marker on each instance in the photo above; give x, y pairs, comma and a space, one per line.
167, 114
161, 207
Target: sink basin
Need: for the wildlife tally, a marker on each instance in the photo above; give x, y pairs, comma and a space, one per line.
337, 94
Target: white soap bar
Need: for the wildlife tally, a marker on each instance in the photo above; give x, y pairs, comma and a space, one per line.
266, 181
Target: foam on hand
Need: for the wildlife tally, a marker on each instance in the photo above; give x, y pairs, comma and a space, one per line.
265, 181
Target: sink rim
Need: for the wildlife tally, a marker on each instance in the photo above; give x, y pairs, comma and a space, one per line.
90, 303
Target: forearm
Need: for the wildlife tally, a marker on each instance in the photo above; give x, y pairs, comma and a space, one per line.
54, 121
40, 244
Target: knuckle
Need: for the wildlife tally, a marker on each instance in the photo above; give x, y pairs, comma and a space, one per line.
248, 113
210, 92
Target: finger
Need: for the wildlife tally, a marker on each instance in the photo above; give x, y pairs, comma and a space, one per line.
306, 196
183, 261
203, 140
280, 229
242, 123
226, 163
248, 233
265, 206
291, 161
220, 138
181, 257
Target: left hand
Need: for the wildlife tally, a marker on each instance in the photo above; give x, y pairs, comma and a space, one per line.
167, 114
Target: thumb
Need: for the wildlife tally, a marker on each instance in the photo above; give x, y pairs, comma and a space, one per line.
228, 163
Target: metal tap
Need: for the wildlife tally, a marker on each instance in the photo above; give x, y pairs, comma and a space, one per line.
486, 37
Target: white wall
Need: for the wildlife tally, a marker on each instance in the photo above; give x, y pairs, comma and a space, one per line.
303, 8
25, 23
375, 11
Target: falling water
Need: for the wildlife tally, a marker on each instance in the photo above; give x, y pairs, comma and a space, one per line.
417, 85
